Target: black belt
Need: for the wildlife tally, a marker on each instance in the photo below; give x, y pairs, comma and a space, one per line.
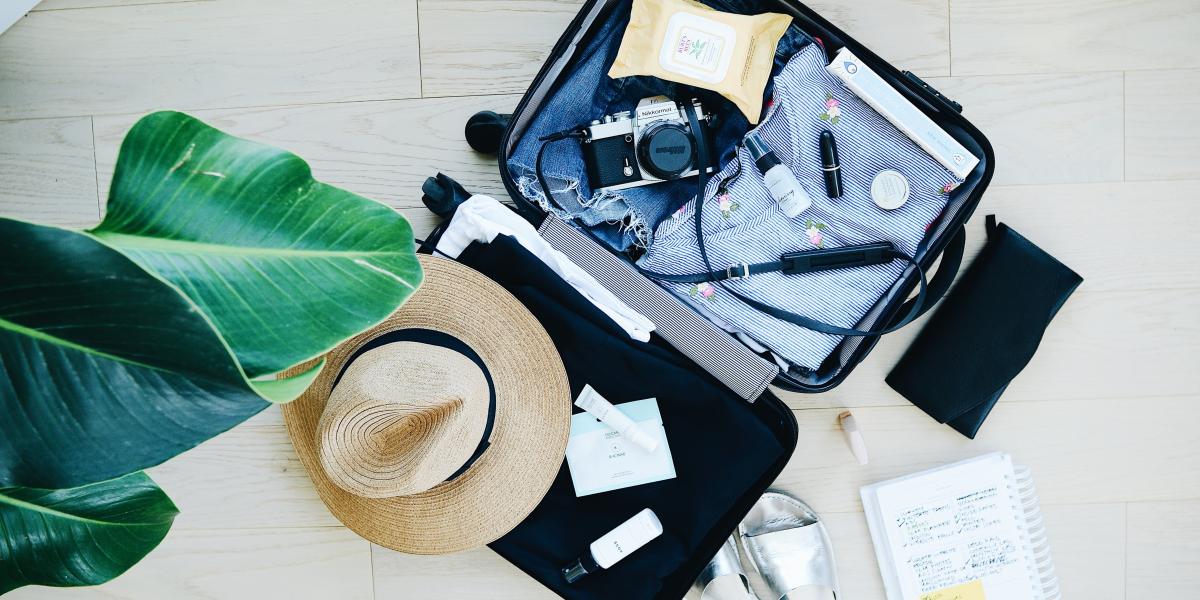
797, 263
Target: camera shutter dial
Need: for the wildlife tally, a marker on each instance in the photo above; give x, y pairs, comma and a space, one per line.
667, 150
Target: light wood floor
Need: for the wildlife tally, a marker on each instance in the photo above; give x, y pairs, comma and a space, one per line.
1094, 110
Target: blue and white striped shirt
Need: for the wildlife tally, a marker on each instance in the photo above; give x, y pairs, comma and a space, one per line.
748, 226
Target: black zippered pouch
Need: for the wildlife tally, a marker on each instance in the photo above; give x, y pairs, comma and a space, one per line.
985, 332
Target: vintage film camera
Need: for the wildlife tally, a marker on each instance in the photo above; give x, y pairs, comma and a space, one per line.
656, 144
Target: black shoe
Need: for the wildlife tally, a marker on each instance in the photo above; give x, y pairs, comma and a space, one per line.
442, 195
484, 130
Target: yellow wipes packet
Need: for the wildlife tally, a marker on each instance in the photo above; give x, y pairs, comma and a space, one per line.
687, 42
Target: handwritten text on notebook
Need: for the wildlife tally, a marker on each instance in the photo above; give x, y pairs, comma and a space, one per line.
957, 526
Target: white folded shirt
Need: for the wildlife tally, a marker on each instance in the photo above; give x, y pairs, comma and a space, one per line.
482, 218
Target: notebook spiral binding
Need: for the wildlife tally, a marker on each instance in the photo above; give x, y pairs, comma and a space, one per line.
1036, 543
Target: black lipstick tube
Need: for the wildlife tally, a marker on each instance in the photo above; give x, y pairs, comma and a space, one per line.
830, 166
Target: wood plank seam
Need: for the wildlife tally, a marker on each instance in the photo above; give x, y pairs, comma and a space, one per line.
39, 7
241, 107
420, 53
100, 196
1125, 125
1125, 547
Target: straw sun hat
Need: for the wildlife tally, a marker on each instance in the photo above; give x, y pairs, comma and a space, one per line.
441, 428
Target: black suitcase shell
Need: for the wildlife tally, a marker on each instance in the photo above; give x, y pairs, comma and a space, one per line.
947, 232
942, 110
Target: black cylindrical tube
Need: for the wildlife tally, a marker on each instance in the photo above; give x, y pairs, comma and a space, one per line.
830, 165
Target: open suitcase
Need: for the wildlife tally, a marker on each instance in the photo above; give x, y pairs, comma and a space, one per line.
698, 508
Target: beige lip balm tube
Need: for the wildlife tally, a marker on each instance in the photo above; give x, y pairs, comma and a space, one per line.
854, 437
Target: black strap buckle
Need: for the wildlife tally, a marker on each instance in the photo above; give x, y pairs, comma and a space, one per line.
744, 272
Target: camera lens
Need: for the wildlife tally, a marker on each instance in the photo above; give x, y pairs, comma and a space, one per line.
667, 150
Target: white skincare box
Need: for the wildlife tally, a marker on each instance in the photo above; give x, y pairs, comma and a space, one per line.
600, 459
886, 101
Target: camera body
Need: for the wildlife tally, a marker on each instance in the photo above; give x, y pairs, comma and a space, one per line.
655, 144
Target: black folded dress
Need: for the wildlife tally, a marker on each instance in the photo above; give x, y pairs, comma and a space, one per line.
720, 446
985, 332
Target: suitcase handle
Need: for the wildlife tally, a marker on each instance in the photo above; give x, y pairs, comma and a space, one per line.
951, 104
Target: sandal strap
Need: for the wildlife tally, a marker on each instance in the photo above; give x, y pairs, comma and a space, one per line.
724, 564
792, 558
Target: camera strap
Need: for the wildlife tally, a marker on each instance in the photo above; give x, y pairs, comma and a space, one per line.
802, 262
578, 134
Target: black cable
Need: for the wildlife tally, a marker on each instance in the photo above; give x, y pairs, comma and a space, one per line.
537, 163
724, 185
702, 160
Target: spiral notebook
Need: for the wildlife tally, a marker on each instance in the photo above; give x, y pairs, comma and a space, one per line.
967, 531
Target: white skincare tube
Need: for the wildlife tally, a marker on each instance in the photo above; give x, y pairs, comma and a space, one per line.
881, 96
602, 409
615, 545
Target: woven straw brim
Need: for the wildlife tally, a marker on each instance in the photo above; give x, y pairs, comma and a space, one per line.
529, 438
403, 418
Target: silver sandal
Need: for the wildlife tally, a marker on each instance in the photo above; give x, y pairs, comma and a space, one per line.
788, 545
724, 578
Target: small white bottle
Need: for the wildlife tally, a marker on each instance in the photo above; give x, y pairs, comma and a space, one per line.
781, 183
615, 545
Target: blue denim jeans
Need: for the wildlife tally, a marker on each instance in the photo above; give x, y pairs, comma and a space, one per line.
628, 217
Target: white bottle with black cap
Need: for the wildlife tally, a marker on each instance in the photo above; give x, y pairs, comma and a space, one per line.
615, 545
780, 181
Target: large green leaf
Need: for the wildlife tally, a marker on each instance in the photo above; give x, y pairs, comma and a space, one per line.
81, 536
284, 265
105, 369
